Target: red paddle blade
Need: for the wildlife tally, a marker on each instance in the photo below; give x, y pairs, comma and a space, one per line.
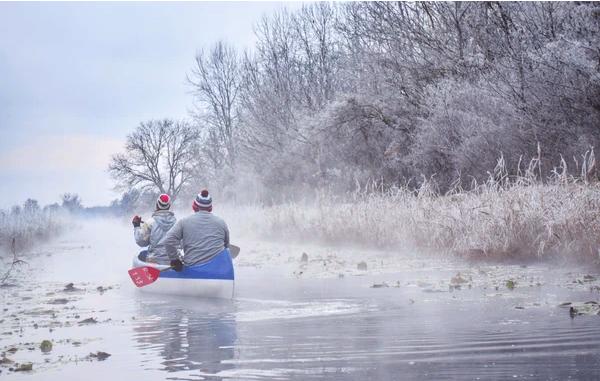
143, 276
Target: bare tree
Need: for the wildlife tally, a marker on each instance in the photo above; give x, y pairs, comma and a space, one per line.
160, 155
290, 77
14, 262
393, 90
216, 80
31, 206
71, 202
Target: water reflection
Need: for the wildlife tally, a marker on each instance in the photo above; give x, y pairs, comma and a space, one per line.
184, 337
317, 338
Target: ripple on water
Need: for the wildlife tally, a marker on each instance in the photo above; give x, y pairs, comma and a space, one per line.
336, 334
272, 310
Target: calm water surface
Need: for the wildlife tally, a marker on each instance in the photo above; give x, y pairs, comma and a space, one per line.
282, 328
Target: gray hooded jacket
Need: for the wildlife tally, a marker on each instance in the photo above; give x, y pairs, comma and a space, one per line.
150, 233
202, 235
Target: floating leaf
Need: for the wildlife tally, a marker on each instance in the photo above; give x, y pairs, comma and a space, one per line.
511, 284
46, 346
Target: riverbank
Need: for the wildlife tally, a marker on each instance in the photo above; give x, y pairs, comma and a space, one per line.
23, 228
514, 221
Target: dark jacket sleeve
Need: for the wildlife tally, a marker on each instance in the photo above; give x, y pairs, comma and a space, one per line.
172, 240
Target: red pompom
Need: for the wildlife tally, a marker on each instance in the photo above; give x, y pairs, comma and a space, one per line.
164, 198
204, 193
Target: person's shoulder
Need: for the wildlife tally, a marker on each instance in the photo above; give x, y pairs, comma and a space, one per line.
183, 219
188, 218
219, 220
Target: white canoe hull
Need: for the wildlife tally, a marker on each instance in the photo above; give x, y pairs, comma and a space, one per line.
201, 288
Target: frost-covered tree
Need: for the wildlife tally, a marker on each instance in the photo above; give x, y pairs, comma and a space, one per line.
71, 202
31, 206
400, 91
291, 77
485, 79
216, 81
159, 156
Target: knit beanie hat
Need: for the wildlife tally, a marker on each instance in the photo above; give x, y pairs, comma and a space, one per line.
163, 202
203, 201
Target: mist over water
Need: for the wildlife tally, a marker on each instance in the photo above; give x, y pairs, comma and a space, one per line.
413, 186
282, 324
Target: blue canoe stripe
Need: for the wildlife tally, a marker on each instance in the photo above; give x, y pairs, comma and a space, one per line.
220, 267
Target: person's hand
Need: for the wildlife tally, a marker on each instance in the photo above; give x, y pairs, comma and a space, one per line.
177, 265
137, 220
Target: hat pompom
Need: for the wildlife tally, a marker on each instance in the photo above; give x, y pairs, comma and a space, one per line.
203, 201
163, 202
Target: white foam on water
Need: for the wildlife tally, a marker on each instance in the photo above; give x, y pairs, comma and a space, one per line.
298, 310
294, 360
248, 374
271, 374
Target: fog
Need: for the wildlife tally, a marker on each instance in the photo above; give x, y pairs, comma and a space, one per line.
413, 187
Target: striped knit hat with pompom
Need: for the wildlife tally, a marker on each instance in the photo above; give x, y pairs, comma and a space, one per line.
163, 202
203, 201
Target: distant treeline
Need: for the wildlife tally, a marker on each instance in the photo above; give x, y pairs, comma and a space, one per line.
71, 204
335, 95
23, 226
29, 224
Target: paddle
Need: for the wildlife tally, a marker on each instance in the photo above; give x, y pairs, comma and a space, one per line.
234, 251
145, 275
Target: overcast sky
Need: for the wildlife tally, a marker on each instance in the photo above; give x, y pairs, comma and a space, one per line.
76, 78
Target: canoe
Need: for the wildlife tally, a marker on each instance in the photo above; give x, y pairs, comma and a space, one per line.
212, 279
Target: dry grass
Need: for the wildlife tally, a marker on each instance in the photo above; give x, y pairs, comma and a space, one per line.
517, 218
26, 228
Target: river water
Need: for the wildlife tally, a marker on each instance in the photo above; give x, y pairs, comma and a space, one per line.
408, 323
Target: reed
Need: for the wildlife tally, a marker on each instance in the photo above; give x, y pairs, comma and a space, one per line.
21, 229
517, 217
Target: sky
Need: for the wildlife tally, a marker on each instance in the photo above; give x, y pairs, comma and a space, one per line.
76, 78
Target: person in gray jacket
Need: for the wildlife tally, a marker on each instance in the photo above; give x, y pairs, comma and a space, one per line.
202, 235
150, 233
